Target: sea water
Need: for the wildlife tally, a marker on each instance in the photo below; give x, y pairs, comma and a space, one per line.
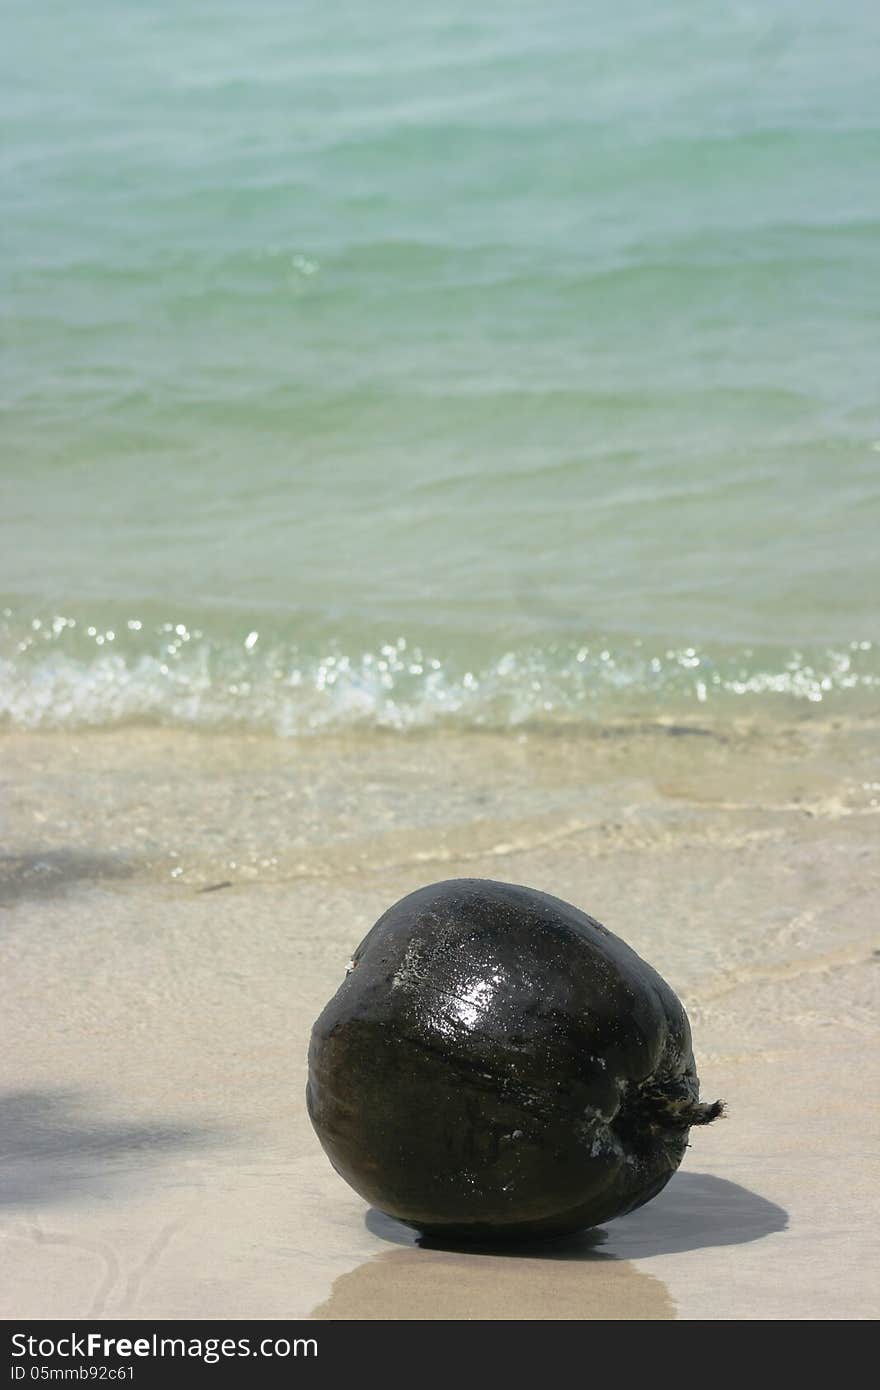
397, 364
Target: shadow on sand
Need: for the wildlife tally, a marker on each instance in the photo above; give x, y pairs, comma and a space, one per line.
53, 1149
573, 1277
45, 873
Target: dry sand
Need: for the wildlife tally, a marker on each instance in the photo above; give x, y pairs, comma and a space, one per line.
156, 1157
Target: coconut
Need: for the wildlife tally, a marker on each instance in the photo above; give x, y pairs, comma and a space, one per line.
498, 1064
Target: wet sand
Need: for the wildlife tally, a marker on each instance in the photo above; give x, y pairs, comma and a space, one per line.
175, 909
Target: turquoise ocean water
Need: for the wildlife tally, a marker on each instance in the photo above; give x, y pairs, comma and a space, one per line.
389, 364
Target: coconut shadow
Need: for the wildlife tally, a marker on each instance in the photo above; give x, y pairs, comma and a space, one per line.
694, 1210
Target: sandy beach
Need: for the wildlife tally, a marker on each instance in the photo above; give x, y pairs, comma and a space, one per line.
176, 908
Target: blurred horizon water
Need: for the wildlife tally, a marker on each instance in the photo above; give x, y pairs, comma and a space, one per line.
386, 366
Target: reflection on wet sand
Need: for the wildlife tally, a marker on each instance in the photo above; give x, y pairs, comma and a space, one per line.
414, 1283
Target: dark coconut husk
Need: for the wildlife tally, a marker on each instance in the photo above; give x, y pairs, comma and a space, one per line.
498, 1064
